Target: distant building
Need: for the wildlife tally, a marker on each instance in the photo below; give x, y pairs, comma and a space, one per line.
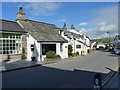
100, 45
93, 44
79, 42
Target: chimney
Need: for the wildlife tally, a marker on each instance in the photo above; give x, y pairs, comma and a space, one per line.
72, 27
64, 26
20, 14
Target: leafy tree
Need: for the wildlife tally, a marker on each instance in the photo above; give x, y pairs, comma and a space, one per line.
70, 49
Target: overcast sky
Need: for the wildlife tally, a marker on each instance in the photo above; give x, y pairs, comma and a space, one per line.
93, 19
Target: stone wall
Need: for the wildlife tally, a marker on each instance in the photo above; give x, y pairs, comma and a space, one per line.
10, 57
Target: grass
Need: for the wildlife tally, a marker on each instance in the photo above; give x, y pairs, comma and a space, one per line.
104, 40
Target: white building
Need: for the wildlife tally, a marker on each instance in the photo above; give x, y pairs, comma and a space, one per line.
93, 45
41, 38
79, 42
101, 45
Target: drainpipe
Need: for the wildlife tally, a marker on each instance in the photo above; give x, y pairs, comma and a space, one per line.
40, 51
74, 45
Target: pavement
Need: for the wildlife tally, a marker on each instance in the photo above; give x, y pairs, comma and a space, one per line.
15, 65
11, 65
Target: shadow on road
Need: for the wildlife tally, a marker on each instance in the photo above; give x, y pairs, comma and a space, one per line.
47, 77
111, 51
114, 55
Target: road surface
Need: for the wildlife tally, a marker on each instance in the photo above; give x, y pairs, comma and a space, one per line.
77, 72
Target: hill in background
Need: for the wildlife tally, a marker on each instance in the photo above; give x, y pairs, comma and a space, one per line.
104, 40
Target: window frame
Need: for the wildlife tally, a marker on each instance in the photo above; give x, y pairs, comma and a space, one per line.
11, 44
78, 46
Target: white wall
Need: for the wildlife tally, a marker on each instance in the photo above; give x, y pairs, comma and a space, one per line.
103, 45
78, 49
36, 53
74, 31
92, 45
64, 52
87, 41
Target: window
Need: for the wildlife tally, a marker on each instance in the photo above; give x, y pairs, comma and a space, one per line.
32, 47
10, 44
78, 46
60, 32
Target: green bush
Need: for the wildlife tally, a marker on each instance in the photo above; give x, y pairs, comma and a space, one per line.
76, 53
51, 54
57, 56
70, 49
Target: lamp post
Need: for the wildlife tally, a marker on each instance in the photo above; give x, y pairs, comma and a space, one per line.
108, 38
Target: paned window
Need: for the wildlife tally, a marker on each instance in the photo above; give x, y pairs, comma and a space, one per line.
78, 46
10, 44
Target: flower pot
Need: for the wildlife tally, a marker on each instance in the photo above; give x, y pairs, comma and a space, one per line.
33, 58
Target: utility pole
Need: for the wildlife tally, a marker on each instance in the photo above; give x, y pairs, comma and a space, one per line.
108, 38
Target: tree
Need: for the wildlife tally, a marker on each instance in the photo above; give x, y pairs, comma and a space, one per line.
70, 49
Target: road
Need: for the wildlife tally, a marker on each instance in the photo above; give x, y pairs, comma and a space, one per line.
77, 72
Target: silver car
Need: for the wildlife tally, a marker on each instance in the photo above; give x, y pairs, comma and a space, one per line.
117, 50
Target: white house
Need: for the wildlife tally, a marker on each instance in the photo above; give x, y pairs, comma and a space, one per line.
101, 45
79, 42
93, 44
41, 38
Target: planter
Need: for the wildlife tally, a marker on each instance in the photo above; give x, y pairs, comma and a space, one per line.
51, 59
33, 58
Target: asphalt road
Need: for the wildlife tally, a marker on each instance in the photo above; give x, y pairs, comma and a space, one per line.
77, 72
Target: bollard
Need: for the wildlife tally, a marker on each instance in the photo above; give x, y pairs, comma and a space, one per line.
98, 81
119, 70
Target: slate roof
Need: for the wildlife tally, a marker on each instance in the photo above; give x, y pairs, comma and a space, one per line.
10, 26
75, 36
42, 32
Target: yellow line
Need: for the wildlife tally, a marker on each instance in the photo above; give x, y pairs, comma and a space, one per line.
107, 78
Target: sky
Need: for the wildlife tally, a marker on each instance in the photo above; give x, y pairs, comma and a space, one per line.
93, 19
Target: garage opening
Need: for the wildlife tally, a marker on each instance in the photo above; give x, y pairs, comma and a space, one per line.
48, 47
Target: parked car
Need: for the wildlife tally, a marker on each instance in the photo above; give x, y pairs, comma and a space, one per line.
116, 44
110, 47
117, 50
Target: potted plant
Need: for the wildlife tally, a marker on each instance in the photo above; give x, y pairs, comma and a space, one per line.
33, 58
